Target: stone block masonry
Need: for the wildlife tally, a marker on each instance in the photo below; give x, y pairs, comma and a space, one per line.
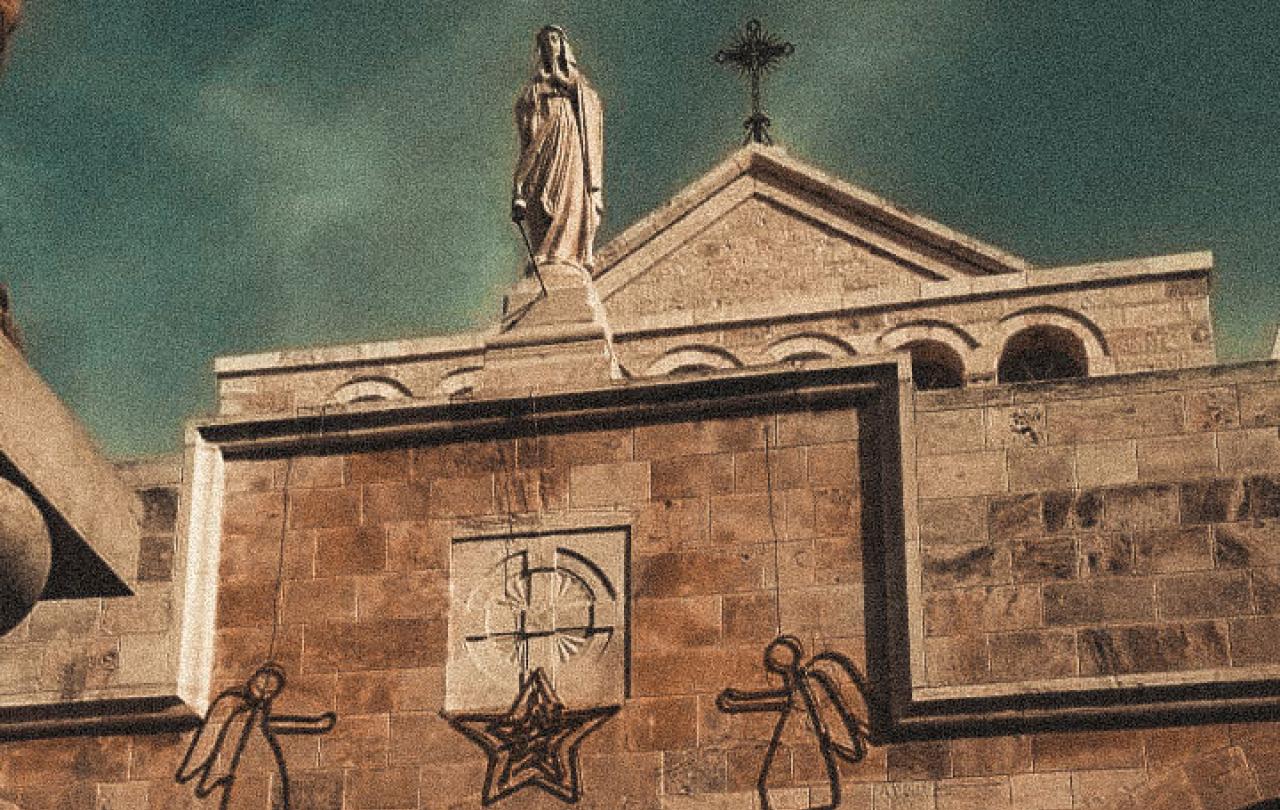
1126, 535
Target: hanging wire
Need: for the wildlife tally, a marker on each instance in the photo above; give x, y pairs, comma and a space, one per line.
213, 757
277, 607
773, 528
521, 646
278, 593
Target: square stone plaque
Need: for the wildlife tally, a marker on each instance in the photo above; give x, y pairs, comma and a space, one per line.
551, 599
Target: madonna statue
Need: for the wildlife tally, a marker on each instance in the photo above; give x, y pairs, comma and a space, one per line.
557, 189
9, 10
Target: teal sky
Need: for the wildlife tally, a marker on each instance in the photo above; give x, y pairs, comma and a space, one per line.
181, 179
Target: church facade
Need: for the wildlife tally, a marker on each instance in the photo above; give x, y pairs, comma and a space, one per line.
796, 500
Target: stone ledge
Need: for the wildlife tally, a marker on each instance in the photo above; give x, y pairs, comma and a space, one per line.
362, 421
1125, 384
355, 354
132, 715
1087, 276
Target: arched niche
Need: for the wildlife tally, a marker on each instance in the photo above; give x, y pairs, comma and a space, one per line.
459, 383
941, 353
692, 360
1086, 337
369, 389
1041, 353
808, 347
934, 365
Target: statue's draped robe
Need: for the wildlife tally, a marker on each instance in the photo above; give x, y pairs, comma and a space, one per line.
560, 167
9, 10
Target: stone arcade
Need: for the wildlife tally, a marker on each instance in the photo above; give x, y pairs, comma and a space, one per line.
1024, 501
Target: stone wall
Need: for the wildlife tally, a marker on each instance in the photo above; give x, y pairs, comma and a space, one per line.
1134, 317
100, 648
1146, 324
1097, 529
367, 536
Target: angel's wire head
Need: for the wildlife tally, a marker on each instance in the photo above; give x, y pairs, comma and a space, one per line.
267, 682
783, 654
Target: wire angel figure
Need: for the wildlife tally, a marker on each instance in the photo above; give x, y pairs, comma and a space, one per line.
811, 687
214, 754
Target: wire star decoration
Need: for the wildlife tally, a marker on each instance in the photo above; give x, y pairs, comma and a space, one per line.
534, 743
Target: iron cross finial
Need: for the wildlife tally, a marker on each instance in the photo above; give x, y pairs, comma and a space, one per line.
755, 52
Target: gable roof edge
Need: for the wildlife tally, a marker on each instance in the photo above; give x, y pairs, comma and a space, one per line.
773, 160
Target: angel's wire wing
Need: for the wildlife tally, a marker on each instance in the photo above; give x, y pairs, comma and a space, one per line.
228, 721
302, 723
840, 727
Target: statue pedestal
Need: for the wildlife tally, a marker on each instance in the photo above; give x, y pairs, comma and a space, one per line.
557, 338
570, 298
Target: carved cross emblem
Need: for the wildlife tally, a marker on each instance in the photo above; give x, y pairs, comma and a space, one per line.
544, 615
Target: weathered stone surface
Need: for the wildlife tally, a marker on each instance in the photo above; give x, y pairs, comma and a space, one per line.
461, 497
702, 437
697, 572
738, 252
972, 611
1203, 594
1016, 426
745, 519
922, 760
1106, 555
569, 449
947, 432
155, 559
1174, 458
1014, 517
1151, 506
956, 520
1086, 750
966, 475
1041, 468
1098, 601
1212, 409
1164, 551
1091, 420
696, 771
965, 565
324, 508
1152, 648
395, 502
1044, 559
1033, 655
609, 484
1266, 589
1212, 501
1261, 498
1255, 641
665, 623
956, 660
1071, 511
1104, 464
350, 550
1246, 545
1249, 450
830, 465
977, 756
375, 645
671, 524
1260, 405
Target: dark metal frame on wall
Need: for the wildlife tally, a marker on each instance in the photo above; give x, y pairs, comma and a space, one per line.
871, 389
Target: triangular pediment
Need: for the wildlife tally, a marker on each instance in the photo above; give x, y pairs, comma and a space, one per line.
763, 226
